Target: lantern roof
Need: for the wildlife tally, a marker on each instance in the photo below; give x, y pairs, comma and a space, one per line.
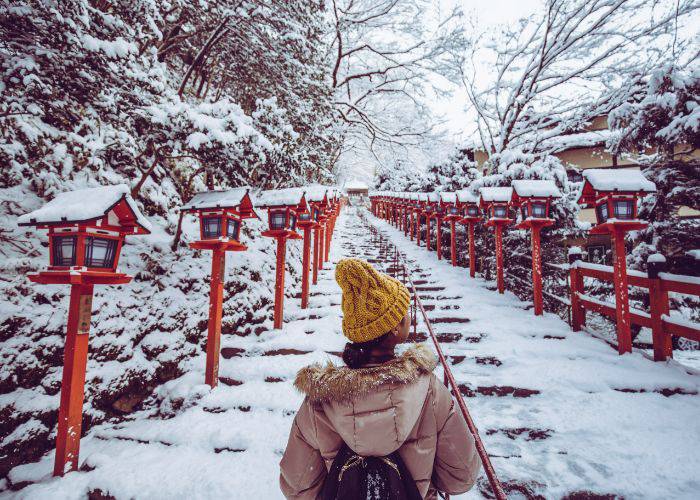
448, 197
530, 188
466, 196
231, 198
495, 195
88, 205
609, 180
289, 197
433, 197
317, 193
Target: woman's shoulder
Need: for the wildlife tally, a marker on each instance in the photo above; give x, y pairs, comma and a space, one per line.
329, 382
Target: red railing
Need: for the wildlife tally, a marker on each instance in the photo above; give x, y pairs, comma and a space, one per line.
449, 380
662, 325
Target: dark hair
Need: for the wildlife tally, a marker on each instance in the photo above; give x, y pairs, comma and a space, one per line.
357, 354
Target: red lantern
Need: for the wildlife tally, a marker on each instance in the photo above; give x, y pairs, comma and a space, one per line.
86, 233
283, 208
468, 206
614, 194
221, 214
495, 201
534, 197
317, 198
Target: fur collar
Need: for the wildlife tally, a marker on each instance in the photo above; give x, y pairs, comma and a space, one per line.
340, 383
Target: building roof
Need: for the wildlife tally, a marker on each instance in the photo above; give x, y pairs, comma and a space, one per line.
355, 185
85, 205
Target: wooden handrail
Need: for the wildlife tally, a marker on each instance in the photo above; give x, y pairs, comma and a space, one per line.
496, 486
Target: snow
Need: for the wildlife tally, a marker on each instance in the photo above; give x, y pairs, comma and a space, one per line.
536, 188
609, 179
230, 198
656, 257
355, 185
194, 442
278, 197
316, 192
433, 197
694, 253
466, 196
575, 250
496, 194
84, 204
448, 197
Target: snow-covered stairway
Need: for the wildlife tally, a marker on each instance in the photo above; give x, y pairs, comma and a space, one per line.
559, 412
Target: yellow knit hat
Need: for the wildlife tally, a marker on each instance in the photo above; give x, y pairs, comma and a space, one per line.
373, 303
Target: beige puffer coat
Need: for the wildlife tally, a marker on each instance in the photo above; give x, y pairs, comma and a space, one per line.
398, 405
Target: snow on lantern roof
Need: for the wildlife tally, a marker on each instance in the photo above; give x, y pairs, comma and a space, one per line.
615, 179
466, 196
230, 198
448, 197
85, 205
496, 194
536, 188
317, 193
433, 197
289, 197
423, 197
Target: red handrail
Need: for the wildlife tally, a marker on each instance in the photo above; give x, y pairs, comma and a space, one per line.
450, 382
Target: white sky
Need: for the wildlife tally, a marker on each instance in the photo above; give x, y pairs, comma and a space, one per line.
486, 14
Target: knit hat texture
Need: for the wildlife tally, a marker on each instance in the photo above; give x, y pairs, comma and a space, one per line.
373, 303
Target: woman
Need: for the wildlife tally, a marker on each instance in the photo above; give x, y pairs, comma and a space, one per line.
380, 402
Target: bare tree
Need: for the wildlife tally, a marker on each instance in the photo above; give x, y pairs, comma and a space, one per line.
382, 53
557, 69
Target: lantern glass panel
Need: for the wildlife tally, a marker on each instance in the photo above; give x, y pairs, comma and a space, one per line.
100, 252
472, 211
499, 211
440, 210
305, 216
316, 214
233, 229
211, 227
624, 209
292, 222
454, 210
602, 212
539, 210
523, 211
64, 250
278, 219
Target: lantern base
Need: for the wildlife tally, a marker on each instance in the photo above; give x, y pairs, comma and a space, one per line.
73, 277
226, 246
493, 222
302, 224
279, 233
532, 222
469, 220
614, 225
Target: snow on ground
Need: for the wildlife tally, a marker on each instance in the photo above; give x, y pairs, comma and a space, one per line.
582, 430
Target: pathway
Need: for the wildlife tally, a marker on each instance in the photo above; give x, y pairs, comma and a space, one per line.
560, 412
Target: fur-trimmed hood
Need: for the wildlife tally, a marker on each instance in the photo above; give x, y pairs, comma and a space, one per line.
340, 383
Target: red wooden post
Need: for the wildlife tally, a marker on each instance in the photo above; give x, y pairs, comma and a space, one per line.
279, 281
427, 233
578, 312
418, 228
410, 225
499, 258
537, 270
216, 296
317, 253
658, 299
73, 381
472, 251
404, 218
622, 305
321, 246
305, 264
327, 243
438, 243
453, 243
